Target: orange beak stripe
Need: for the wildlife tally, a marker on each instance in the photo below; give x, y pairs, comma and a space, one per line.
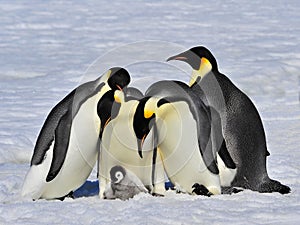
119, 87
181, 58
107, 121
143, 139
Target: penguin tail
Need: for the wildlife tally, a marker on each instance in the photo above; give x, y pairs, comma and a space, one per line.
273, 186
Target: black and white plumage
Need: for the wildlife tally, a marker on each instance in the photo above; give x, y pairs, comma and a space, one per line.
174, 119
124, 184
241, 124
67, 146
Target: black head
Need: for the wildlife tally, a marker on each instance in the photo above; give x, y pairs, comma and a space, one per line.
119, 78
117, 174
142, 125
195, 56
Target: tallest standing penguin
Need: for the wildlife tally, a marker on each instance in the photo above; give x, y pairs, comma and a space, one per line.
67, 146
241, 124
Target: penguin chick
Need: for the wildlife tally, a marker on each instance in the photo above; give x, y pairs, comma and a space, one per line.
124, 184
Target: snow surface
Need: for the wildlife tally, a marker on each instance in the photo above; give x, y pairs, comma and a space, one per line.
47, 49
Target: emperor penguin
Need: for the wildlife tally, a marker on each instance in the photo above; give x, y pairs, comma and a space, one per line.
67, 146
211, 141
119, 147
183, 145
123, 185
241, 124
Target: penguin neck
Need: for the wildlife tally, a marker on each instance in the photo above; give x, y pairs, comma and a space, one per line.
199, 74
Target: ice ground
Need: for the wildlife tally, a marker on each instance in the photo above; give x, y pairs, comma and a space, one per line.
46, 48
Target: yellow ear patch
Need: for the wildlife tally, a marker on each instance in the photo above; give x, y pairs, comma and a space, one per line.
148, 113
117, 96
150, 107
117, 99
204, 61
204, 68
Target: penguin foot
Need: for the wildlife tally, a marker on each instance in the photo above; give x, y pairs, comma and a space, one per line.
61, 198
200, 189
70, 195
230, 190
273, 186
157, 195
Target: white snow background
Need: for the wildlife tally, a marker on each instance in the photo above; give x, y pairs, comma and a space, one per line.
46, 47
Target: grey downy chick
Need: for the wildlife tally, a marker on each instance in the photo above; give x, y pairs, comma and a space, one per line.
124, 184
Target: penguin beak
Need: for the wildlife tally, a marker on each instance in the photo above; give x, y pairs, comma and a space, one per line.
177, 57
142, 141
142, 123
107, 121
140, 145
188, 57
181, 56
121, 89
147, 115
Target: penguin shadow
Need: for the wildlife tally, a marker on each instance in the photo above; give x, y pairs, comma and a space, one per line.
88, 189
91, 188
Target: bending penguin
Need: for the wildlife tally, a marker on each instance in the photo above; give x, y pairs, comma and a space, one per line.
67, 146
241, 124
119, 146
184, 146
211, 142
123, 185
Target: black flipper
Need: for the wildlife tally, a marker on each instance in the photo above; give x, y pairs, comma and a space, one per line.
71, 103
209, 122
225, 156
47, 133
62, 137
205, 141
219, 144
